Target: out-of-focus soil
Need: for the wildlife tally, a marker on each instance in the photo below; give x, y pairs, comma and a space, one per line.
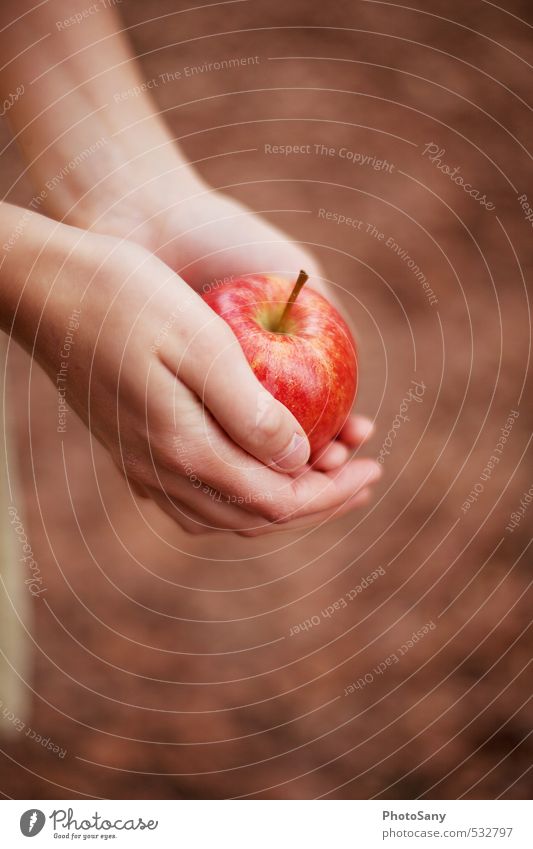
163, 663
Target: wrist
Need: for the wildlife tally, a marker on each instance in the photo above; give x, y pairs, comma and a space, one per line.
134, 202
126, 190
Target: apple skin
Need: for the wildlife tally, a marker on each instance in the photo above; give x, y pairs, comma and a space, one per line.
311, 367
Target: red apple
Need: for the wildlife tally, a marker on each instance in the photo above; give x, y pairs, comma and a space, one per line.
298, 345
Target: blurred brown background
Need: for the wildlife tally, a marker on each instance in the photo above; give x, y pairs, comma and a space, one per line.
163, 663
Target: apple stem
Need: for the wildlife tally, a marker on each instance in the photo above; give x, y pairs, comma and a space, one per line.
302, 279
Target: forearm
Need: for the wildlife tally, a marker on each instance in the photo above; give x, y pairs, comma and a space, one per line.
32, 249
86, 144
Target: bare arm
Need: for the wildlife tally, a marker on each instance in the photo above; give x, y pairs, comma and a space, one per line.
78, 131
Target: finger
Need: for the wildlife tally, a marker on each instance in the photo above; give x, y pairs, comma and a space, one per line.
330, 457
207, 454
316, 491
283, 499
356, 430
213, 365
253, 508
188, 520
218, 516
314, 520
210, 513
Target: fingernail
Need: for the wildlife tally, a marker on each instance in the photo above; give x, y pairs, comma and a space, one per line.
295, 455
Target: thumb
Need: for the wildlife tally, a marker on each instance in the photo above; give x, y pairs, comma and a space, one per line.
216, 369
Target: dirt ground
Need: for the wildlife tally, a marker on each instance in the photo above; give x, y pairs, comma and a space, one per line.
164, 664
